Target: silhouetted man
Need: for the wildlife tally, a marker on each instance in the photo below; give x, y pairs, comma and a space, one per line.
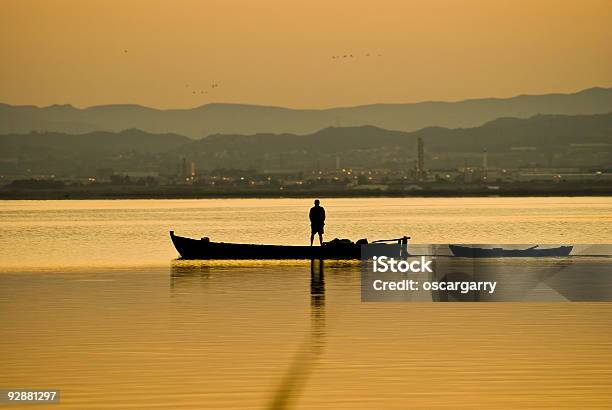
317, 221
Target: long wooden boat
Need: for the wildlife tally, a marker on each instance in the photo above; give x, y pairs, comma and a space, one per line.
203, 248
534, 251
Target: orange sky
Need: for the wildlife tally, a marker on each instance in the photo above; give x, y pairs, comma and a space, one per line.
278, 52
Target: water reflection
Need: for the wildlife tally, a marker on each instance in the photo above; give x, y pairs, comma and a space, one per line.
303, 363
228, 335
317, 306
317, 293
524, 279
187, 274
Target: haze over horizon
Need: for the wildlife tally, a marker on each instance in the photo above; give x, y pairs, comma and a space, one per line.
318, 54
237, 103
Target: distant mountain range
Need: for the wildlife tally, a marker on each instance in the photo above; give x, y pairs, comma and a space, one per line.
546, 136
97, 144
249, 119
543, 132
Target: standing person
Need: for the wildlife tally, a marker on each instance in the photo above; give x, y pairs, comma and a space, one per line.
317, 221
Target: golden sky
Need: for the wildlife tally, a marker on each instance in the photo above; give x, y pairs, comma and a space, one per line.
279, 52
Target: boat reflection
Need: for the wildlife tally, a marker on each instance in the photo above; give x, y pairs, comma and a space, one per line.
187, 274
526, 279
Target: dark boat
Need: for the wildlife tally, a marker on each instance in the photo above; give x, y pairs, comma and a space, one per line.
469, 252
203, 248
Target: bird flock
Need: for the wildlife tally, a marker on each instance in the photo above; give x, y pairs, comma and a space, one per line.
349, 56
193, 90
338, 57
201, 92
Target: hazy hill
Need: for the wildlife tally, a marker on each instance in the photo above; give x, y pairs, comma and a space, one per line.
364, 146
329, 139
97, 144
545, 132
549, 136
248, 119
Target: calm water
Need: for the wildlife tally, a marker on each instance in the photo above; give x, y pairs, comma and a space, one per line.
92, 303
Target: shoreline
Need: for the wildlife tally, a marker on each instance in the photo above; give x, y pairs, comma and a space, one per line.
191, 193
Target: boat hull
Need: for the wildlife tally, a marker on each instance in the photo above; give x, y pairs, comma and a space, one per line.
469, 252
190, 248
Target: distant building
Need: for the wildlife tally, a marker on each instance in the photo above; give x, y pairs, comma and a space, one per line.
184, 170
104, 174
140, 174
485, 164
420, 166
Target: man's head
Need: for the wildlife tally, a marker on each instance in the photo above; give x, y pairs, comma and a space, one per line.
317, 202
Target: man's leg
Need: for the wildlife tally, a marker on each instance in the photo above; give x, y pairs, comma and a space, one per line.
311, 238
320, 239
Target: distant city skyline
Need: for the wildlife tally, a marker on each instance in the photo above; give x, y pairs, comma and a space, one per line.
315, 54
